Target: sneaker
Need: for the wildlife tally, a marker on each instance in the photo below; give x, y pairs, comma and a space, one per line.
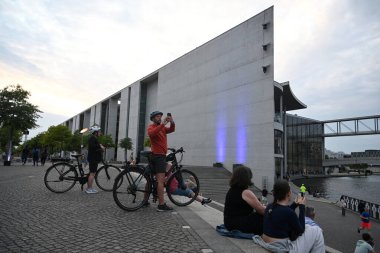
91, 191
206, 201
163, 208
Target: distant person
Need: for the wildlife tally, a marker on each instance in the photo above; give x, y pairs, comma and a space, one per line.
36, 156
24, 155
343, 205
366, 245
284, 230
264, 199
242, 210
44, 155
365, 222
95, 156
303, 190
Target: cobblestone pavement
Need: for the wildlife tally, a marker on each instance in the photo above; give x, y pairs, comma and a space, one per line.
33, 219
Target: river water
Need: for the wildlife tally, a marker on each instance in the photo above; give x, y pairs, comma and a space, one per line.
364, 188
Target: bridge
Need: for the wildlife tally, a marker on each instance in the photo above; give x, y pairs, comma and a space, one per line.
371, 161
367, 125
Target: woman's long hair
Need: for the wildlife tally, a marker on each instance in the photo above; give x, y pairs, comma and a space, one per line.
241, 177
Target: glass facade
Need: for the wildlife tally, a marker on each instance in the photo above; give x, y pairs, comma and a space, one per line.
305, 145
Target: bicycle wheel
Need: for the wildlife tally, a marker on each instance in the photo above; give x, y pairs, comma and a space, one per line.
182, 187
60, 177
132, 188
105, 177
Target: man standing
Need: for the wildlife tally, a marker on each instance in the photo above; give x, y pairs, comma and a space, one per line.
157, 134
95, 154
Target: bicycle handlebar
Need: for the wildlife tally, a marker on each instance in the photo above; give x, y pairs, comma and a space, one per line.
180, 150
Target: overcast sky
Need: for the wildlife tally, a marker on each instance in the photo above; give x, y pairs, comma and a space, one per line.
71, 54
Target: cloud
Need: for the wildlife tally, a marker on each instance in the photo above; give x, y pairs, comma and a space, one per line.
71, 54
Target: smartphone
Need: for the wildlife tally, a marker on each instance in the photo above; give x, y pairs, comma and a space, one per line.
169, 114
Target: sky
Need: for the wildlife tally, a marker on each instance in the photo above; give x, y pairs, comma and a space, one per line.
71, 54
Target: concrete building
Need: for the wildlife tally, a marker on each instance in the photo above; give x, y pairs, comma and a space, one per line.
223, 98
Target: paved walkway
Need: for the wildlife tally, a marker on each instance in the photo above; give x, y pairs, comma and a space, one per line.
33, 219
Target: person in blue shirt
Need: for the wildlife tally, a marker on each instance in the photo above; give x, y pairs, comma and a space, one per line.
365, 223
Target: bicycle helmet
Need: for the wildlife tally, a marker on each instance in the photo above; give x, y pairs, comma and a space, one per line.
94, 129
154, 114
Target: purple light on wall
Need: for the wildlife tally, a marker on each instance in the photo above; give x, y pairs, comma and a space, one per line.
241, 142
221, 139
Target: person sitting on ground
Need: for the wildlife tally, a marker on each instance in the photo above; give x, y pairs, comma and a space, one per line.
310, 216
242, 210
366, 245
186, 189
284, 230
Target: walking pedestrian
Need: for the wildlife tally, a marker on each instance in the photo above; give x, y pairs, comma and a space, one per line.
95, 156
343, 206
36, 156
44, 155
157, 132
24, 154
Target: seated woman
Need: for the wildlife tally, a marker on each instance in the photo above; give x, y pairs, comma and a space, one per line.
186, 189
242, 210
283, 227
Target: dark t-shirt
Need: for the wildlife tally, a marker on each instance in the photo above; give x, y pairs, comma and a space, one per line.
94, 150
235, 205
282, 221
239, 215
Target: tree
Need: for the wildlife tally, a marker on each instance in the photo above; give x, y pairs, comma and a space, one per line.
37, 141
57, 138
107, 142
126, 144
16, 113
4, 137
147, 142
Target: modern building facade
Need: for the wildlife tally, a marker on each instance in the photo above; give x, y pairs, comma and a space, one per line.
305, 145
223, 98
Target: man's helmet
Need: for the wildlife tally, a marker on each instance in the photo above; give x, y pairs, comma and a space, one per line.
94, 129
154, 114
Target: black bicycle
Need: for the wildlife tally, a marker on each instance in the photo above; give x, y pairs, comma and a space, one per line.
62, 176
135, 184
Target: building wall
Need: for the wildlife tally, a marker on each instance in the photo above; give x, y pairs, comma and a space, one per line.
123, 121
220, 98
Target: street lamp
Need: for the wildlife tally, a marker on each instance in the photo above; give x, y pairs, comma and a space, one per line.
82, 132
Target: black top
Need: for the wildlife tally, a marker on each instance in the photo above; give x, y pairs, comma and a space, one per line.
235, 205
282, 221
94, 150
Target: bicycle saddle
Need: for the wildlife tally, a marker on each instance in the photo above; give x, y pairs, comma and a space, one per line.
146, 153
76, 156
